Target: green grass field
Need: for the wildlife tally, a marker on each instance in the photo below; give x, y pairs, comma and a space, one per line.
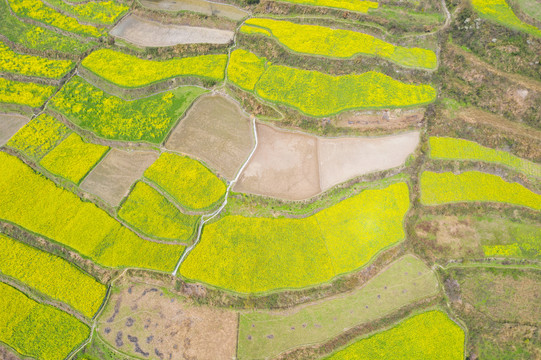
253, 255
24, 93
430, 335
405, 281
460, 149
337, 43
110, 117
442, 188
500, 12
188, 181
50, 275
151, 213
38, 205
73, 158
130, 72
37, 330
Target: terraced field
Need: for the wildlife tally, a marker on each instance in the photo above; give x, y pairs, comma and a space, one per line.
245, 69
97, 12
358, 6
24, 93
500, 12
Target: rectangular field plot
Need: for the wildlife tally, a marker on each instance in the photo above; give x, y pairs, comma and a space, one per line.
113, 177
254, 255
151, 213
61, 216
50, 275
442, 188
9, 125
24, 93
129, 71
336, 43
265, 334
148, 119
460, 149
430, 335
37, 330
73, 158
500, 12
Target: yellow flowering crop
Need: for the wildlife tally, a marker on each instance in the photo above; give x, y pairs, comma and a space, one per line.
321, 40
151, 213
99, 12
61, 216
39, 136
37, 10
352, 5
33, 329
430, 335
442, 188
29, 65
247, 29
460, 149
51, 275
24, 93
190, 183
500, 12
130, 71
73, 158
245, 69
252, 255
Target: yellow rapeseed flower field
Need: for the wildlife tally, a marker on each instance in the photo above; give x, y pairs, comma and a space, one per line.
24, 93
500, 12
99, 12
352, 5
245, 69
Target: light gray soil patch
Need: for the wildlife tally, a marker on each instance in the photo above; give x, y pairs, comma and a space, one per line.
394, 119
143, 32
296, 166
112, 178
216, 131
284, 165
199, 6
9, 125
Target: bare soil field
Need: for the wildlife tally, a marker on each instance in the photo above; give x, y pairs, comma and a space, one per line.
143, 32
296, 166
200, 6
9, 125
148, 322
395, 119
216, 131
112, 178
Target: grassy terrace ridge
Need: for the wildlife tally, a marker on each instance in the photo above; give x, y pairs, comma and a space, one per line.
73, 158
500, 12
459, 149
442, 188
98, 12
351, 5
405, 281
131, 72
51, 275
64, 218
151, 213
38, 38
148, 119
337, 43
24, 93
15, 63
37, 10
38, 136
37, 330
255, 255
189, 182
429, 335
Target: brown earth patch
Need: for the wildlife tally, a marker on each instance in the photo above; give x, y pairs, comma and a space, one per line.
112, 178
394, 119
9, 125
200, 6
216, 131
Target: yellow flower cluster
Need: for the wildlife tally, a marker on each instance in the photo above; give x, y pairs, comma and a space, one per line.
29, 65
245, 69
61, 216
500, 12
460, 149
148, 119
52, 276
39, 136
351, 5
24, 93
100, 12
37, 330
73, 158
130, 71
37, 10
430, 335
247, 29
321, 40
151, 213
253, 255
188, 181
442, 188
